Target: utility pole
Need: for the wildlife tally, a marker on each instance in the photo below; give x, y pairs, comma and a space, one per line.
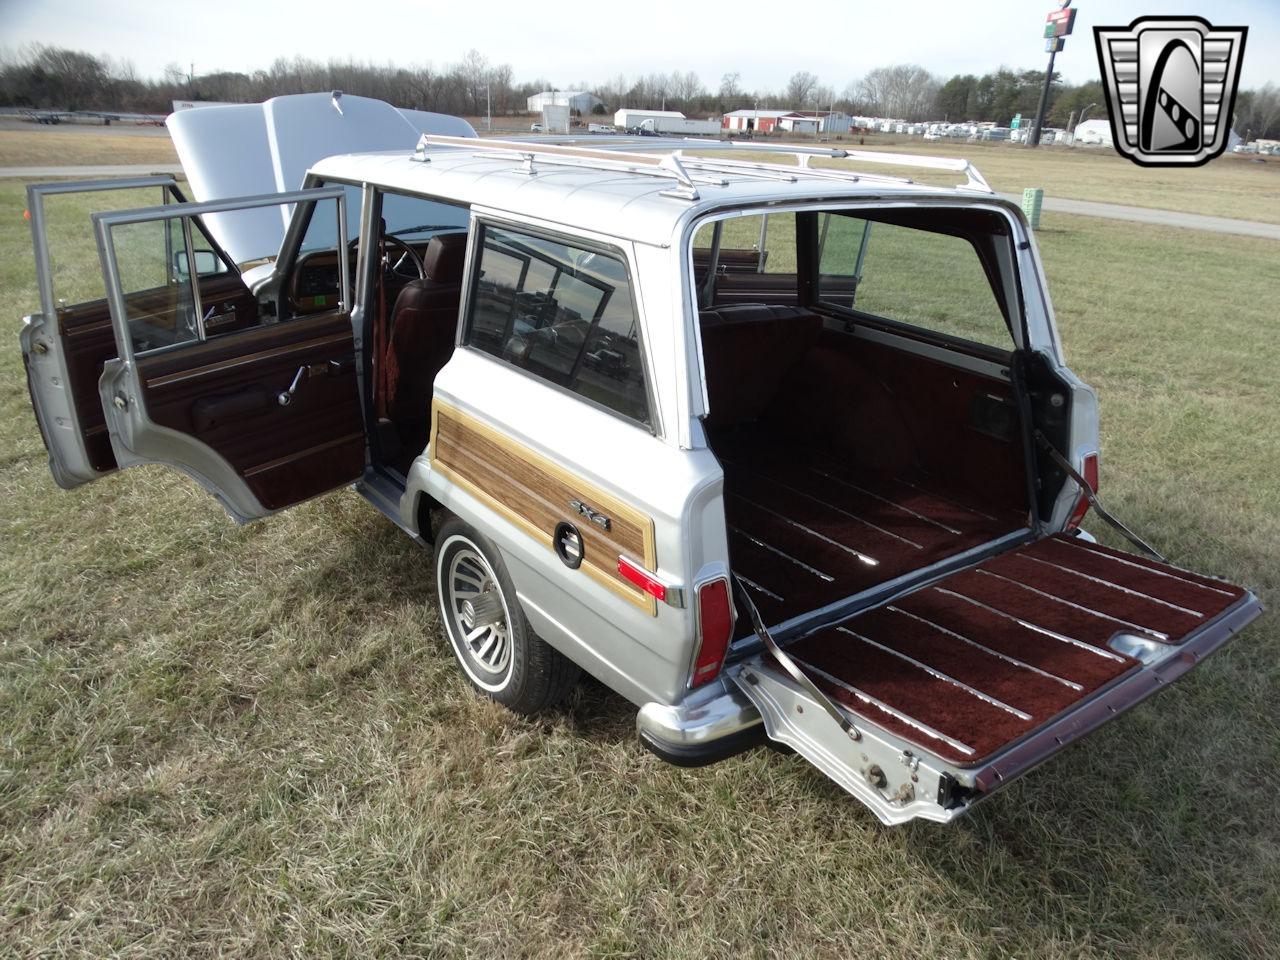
1044, 102
1058, 26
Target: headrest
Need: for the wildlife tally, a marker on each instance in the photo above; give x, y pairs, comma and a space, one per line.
444, 259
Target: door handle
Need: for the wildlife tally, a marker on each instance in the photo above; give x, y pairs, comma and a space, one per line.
326, 368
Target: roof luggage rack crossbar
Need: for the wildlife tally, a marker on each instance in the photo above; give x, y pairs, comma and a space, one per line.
975, 180
779, 172
669, 167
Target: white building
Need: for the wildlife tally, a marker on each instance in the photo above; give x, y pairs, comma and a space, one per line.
576, 100
665, 121
1094, 132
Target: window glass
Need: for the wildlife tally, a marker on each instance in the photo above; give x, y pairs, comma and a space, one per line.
930, 280
73, 252
764, 243
563, 313
172, 297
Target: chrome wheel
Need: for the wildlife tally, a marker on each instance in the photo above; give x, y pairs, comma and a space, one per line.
478, 620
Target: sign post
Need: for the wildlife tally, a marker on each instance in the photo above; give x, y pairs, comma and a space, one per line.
1058, 26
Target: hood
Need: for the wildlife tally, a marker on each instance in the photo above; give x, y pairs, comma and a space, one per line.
248, 149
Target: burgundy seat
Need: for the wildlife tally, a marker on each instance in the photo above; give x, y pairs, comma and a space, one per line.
424, 322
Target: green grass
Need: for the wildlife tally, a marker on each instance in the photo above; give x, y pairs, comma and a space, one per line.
254, 742
1244, 187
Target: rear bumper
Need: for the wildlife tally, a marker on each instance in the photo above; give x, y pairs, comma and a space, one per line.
710, 724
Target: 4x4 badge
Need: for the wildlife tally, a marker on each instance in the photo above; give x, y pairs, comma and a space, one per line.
1171, 85
599, 519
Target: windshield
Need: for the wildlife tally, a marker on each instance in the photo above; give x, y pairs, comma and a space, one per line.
404, 216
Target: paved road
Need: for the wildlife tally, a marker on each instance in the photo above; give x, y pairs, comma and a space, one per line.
1166, 218
121, 170
1087, 208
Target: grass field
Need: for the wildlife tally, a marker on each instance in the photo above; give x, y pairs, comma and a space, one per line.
223, 741
1243, 187
1229, 187
81, 147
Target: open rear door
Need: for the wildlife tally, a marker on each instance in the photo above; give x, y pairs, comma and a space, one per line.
66, 344
245, 381
933, 699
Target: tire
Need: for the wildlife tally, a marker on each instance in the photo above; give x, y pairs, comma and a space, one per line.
490, 636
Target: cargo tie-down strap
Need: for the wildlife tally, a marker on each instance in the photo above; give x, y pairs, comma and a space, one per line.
1094, 502
757, 624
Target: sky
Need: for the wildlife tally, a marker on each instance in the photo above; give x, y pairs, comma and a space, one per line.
839, 40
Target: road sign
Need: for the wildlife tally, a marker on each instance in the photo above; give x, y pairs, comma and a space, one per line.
1063, 21
1016, 122
1055, 45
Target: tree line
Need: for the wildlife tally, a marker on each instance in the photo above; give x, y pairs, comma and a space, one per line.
56, 78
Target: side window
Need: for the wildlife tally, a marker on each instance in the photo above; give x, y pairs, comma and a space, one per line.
178, 287
562, 312
935, 281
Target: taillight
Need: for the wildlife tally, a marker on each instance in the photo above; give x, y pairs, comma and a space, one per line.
1088, 470
715, 628
642, 578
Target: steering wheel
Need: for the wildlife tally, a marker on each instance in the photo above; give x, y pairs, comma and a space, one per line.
397, 267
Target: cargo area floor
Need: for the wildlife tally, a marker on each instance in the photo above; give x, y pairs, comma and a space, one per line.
806, 531
984, 657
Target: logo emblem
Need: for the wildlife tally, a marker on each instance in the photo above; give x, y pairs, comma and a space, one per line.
599, 519
1171, 86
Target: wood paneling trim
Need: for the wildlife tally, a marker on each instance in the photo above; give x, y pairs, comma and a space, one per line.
534, 492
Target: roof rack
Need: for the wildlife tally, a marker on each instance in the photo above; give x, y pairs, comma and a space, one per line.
669, 167
973, 179
676, 165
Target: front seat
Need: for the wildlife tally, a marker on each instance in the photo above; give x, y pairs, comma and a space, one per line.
424, 322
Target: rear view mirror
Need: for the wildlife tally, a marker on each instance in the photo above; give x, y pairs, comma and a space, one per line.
206, 262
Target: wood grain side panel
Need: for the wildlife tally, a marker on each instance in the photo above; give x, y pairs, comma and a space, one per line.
535, 493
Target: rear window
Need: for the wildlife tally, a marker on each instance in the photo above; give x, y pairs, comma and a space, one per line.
562, 312
931, 280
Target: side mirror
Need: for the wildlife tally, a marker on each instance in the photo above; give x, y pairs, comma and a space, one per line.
206, 262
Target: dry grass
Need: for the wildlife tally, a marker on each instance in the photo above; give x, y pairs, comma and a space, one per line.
222, 741
69, 147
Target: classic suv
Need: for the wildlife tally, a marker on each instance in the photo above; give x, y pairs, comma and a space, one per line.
773, 451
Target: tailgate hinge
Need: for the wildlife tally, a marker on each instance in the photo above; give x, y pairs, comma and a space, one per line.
809, 687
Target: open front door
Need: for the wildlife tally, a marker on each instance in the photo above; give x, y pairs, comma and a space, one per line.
66, 344
244, 380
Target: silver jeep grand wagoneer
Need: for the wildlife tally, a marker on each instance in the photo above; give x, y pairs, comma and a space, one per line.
775, 451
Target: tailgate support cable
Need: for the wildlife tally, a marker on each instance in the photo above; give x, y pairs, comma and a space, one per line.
1094, 502
757, 623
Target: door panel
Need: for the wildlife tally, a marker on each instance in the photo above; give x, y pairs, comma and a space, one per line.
260, 405
67, 343
225, 393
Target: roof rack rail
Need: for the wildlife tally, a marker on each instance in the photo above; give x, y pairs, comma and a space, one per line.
674, 164
974, 179
669, 167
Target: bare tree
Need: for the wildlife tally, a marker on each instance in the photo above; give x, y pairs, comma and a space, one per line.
800, 88
906, 91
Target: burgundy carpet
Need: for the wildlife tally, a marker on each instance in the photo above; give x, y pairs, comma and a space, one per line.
985, 656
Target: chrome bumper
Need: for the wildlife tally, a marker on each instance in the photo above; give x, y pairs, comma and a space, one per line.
709, 724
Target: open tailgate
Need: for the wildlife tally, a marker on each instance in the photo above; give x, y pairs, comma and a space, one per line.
957, 687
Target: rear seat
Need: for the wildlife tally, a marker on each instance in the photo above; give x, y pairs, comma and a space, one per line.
748, 349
